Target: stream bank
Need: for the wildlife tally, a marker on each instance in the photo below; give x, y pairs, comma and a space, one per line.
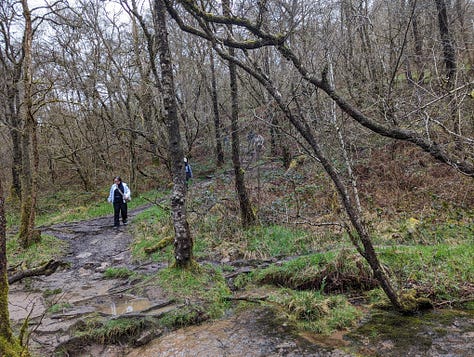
79, 291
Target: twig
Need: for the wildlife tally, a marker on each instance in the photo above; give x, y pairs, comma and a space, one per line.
322, 224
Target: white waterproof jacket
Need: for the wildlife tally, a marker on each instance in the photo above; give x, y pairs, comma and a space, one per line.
126, 192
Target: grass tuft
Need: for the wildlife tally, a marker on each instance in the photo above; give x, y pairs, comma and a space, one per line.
205, 285
313, 311
117, 273
327, 272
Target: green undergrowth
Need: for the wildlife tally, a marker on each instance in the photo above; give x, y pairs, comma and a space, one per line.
314, 311
274, 241
441, 223
48, 248
118, 273
112, 331
204, 285
59, 307
330, 272
151, 226
219, 237
442, 272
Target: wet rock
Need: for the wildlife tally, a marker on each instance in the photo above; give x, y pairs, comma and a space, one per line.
147, 336
90, 265
83, 255
103, 266
84, 272
118, 260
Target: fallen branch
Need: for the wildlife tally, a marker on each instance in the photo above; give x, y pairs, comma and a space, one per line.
450, 303
255, 299
45, 269
160, 245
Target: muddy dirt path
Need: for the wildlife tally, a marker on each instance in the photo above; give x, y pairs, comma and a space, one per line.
79, 288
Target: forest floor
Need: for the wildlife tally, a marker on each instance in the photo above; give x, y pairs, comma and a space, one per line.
61, 304
58, 303
79, 291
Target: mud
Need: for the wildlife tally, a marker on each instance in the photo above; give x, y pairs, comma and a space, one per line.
95, 245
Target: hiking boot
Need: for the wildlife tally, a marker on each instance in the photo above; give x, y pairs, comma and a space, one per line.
125, 223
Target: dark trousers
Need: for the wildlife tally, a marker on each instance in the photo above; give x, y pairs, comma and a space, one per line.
120, 208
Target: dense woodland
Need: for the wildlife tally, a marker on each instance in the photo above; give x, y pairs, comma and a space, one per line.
366, 105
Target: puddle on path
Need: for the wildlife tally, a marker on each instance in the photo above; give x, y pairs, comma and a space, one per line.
123, 305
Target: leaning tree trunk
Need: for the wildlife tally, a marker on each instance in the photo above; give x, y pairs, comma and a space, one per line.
361, 238
246, 212
183, 242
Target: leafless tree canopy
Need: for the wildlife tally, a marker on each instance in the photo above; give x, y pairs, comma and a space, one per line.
84, 95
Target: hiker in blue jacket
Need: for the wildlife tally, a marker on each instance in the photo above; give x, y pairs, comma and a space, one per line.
188, 169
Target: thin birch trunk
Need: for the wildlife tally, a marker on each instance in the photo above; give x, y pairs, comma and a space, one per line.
183, 242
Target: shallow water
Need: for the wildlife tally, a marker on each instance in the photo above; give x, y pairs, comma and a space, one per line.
259, 332
122, 305
256, 332
434, 333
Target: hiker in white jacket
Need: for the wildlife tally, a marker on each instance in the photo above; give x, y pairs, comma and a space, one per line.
119, 196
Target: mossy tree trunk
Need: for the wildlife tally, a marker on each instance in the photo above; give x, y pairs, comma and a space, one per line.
9, 345
5, 329
246, 212
183, 242
30, 155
